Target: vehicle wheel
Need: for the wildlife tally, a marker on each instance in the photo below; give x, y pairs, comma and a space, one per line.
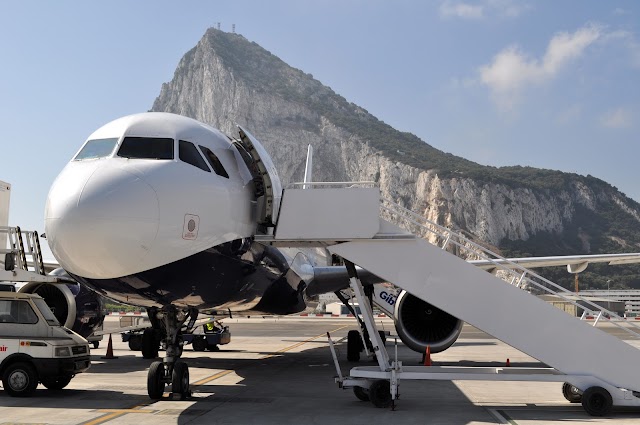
380, 393
57, 382
20, 380
361, 393
180, 378
571, 393
149, 344
199, 344
213, 347
353, 346
96, 344
155, 381
135, 343
597, 401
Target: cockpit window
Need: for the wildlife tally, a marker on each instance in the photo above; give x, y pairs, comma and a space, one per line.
213, 160
189, 154
96, 148
146, 148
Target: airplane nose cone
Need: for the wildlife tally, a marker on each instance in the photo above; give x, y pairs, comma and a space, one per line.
101, 226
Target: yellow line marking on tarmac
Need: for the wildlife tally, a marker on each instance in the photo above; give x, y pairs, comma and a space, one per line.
291, 347
116, 413
103, 419
212, 377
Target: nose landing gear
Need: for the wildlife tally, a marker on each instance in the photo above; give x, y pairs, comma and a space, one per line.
171, 370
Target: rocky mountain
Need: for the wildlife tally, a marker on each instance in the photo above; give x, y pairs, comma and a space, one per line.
227, 79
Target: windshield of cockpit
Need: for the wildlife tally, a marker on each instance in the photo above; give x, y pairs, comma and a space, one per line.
96, 148
146, 148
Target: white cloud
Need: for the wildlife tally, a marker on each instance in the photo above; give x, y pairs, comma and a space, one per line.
508, 8
620, 11
482, 9
450, 9
618, 118
512, 70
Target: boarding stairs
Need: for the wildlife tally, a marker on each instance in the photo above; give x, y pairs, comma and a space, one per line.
351, 221
22, 260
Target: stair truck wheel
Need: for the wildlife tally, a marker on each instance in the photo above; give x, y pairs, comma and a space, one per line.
149, 344
597, 401
155, 380
380, 393
96, 344
57, 382
361, 393
20, 380
571, 393
353, 346
180, 378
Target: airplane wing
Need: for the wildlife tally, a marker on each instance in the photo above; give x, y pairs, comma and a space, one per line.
333, 278
574, 263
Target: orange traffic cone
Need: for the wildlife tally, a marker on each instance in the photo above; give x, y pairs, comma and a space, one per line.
109, 354
508, 363
427, 356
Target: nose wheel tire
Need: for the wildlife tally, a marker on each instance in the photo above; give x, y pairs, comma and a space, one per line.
571, 393
597, 401
156, 380
180, 379
20, 380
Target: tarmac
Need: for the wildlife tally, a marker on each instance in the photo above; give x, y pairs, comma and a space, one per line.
280, 371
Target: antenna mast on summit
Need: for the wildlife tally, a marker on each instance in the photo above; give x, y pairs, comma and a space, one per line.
233, 28
218, 24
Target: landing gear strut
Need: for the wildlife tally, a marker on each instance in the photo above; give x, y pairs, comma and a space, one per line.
171, 370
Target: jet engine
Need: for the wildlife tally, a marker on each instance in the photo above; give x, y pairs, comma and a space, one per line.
419, 324
75, 306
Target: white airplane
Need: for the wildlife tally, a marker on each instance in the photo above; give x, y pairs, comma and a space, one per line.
160, 211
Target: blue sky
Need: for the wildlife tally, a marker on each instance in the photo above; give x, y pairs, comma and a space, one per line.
550, 84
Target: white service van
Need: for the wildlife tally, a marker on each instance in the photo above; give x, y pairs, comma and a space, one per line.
35, 348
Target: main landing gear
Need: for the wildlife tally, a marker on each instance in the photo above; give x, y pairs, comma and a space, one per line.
171, 370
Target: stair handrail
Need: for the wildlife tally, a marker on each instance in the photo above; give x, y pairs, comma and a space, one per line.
500, 263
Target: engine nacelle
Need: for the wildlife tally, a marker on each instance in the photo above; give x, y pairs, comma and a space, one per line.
75, 306
419, 324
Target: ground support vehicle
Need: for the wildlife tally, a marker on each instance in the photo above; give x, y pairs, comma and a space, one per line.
35, 348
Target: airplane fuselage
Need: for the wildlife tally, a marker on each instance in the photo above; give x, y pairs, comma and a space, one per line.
160, 209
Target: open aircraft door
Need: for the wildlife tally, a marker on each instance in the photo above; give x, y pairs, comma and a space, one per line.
268, 188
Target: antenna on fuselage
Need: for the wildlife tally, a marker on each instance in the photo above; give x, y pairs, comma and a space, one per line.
308, 167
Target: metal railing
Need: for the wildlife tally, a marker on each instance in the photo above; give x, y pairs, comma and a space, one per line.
509, 271
25, 246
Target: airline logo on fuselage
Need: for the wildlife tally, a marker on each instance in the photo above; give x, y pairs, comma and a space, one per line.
389, 298
3, 348
190, 227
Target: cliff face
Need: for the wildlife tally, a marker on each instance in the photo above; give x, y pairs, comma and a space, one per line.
226, 80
